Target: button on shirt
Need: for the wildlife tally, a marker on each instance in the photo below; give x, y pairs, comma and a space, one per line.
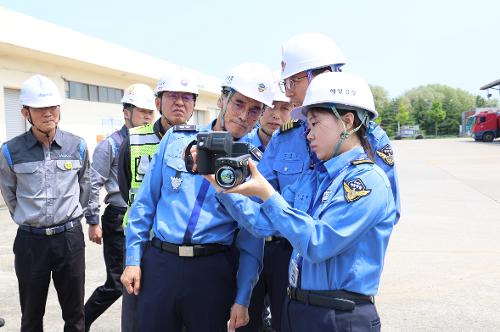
165, 202
104, 172
42, 186
343, 243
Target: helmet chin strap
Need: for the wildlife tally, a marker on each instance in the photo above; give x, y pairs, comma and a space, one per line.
344, 135
30, 120
224, 110
265, 132
170, 123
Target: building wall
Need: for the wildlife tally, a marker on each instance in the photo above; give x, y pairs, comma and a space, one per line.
91, 120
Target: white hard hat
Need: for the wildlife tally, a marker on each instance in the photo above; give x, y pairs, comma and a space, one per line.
140, 95
343, 90
39, 91
309, 51
278, 94
177, 80
252, 80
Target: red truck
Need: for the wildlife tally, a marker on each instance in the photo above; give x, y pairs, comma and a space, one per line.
485, 126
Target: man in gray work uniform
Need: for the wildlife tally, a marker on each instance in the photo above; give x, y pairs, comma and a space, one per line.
45, 184
138, 109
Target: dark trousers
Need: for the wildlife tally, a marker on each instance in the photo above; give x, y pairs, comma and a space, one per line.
273, 282
129, 312
192, 292
113, 242
300, 317
37, 258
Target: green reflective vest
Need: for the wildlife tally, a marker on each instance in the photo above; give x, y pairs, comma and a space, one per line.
143, 144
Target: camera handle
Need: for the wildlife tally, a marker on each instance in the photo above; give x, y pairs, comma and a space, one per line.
188, 158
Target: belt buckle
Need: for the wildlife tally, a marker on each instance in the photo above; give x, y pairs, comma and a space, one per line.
186, 251
50, 231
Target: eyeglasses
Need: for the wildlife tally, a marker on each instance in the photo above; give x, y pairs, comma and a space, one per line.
185, 96
290, 83
253, 113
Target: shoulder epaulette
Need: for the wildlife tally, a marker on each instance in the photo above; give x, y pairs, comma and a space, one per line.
293, 123
361, 161
185, 128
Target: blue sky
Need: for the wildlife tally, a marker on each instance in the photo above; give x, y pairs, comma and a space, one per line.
398, 45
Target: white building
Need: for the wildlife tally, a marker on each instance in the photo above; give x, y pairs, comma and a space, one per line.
89, 72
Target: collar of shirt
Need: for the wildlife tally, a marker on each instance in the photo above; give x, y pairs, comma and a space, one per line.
158, 128
124, 131
336, 164
31, 139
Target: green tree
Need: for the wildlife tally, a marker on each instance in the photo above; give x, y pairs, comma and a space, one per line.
437, 114
403, 113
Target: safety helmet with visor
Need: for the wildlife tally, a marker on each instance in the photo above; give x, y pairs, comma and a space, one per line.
341, 91
253, 80
139, 95
38, 91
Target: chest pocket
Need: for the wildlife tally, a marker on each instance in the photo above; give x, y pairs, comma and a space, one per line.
66, 177
176, 172
302, 201
67, 166
29, 176
288, 167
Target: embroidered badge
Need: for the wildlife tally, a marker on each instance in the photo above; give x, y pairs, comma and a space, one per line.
326, 194
68, 165
354, 190
176, 182
386, 155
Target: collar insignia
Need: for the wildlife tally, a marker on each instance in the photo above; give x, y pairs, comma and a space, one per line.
354, 190
176, 182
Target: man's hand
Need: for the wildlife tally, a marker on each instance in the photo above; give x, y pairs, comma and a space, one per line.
239, 317
95, 233
131, 279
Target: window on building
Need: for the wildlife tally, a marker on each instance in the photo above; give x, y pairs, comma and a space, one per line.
89, 92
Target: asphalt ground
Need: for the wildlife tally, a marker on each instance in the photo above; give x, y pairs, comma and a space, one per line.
442, 270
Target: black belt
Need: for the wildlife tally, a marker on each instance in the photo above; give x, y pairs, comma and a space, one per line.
189, 250
336, 299
51, 230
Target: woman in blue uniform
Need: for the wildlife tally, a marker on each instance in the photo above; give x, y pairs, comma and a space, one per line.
338, 216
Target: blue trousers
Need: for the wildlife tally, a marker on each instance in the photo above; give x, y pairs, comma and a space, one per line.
300, 317
195, 293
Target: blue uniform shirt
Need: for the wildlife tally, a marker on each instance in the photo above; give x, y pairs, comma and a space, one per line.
254, 139
338, 220
383, 157
288, 155
165, 203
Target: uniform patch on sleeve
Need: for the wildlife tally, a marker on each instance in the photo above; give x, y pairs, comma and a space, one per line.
354, 190
385, 153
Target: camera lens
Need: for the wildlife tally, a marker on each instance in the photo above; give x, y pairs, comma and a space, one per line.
225, 177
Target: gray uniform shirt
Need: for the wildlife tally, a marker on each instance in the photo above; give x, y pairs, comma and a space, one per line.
41, 186
104, 172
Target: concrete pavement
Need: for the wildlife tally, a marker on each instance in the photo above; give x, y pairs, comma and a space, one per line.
442, 269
